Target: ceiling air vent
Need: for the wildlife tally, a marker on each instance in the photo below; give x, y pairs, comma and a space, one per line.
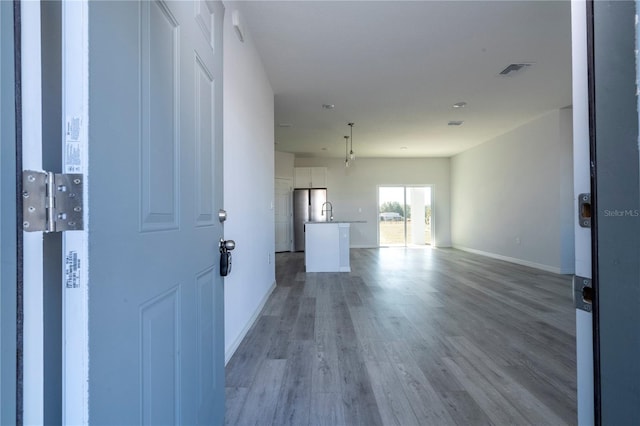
514, 68
456, 122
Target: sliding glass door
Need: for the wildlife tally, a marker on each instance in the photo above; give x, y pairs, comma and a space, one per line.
404, 216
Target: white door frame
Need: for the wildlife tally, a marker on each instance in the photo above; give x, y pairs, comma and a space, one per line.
75, 54
75, 146
75, 326
582, 184
33, 308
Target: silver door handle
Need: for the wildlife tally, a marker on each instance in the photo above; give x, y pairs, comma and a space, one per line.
227, 245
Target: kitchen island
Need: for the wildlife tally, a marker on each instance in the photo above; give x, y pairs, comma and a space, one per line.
327, 246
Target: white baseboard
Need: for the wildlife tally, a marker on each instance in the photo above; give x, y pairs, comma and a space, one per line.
554, 269
362, 246
232, 349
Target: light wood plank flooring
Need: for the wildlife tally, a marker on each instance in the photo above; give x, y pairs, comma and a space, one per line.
409, 337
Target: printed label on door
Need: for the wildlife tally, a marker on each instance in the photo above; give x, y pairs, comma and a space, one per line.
72, 270
73, 149
73, 158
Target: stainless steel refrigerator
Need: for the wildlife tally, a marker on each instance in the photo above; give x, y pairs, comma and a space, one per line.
307, 207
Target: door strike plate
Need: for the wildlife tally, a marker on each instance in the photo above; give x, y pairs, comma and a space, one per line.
582, 293
52, 202
584, 210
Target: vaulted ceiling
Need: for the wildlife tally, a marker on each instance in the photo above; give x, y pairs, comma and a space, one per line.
396, 68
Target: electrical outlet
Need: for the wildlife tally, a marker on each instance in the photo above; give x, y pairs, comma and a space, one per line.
518, 240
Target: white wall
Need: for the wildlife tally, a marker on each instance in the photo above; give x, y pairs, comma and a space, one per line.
512, 197
284, 165
353, 191
248, 183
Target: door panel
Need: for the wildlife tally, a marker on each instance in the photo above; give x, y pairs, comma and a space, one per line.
161, 94
205, 108
160, 358
156, 296
206, 373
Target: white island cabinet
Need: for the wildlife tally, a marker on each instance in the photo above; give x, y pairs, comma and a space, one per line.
327, 247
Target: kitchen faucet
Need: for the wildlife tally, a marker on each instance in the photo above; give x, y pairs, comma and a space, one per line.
329, 210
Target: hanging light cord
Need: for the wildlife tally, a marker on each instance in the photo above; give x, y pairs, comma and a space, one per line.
346, 151
352, 156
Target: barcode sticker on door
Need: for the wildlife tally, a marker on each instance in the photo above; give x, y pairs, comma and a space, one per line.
73, 158
73, 150
72, 270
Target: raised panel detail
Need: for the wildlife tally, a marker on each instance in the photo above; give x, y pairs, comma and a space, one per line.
160, 94
160, 359
205, 19
204, 107
205, 335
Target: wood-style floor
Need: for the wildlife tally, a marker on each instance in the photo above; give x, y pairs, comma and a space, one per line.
409, 337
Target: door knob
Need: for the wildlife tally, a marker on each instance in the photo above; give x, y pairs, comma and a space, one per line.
227, 245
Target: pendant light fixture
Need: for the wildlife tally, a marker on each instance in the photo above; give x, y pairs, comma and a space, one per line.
352, 155
346, 151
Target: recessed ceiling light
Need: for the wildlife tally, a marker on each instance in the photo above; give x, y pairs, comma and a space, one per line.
285, 125
403, 147
328, 106
460, 105
455, 122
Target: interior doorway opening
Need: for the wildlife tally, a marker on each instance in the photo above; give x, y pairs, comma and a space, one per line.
405, 216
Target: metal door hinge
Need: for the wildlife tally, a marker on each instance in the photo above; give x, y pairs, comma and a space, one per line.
52, 202
582, 293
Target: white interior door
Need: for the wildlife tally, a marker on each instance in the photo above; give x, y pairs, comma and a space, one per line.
153, 301
283, 214
616, 200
